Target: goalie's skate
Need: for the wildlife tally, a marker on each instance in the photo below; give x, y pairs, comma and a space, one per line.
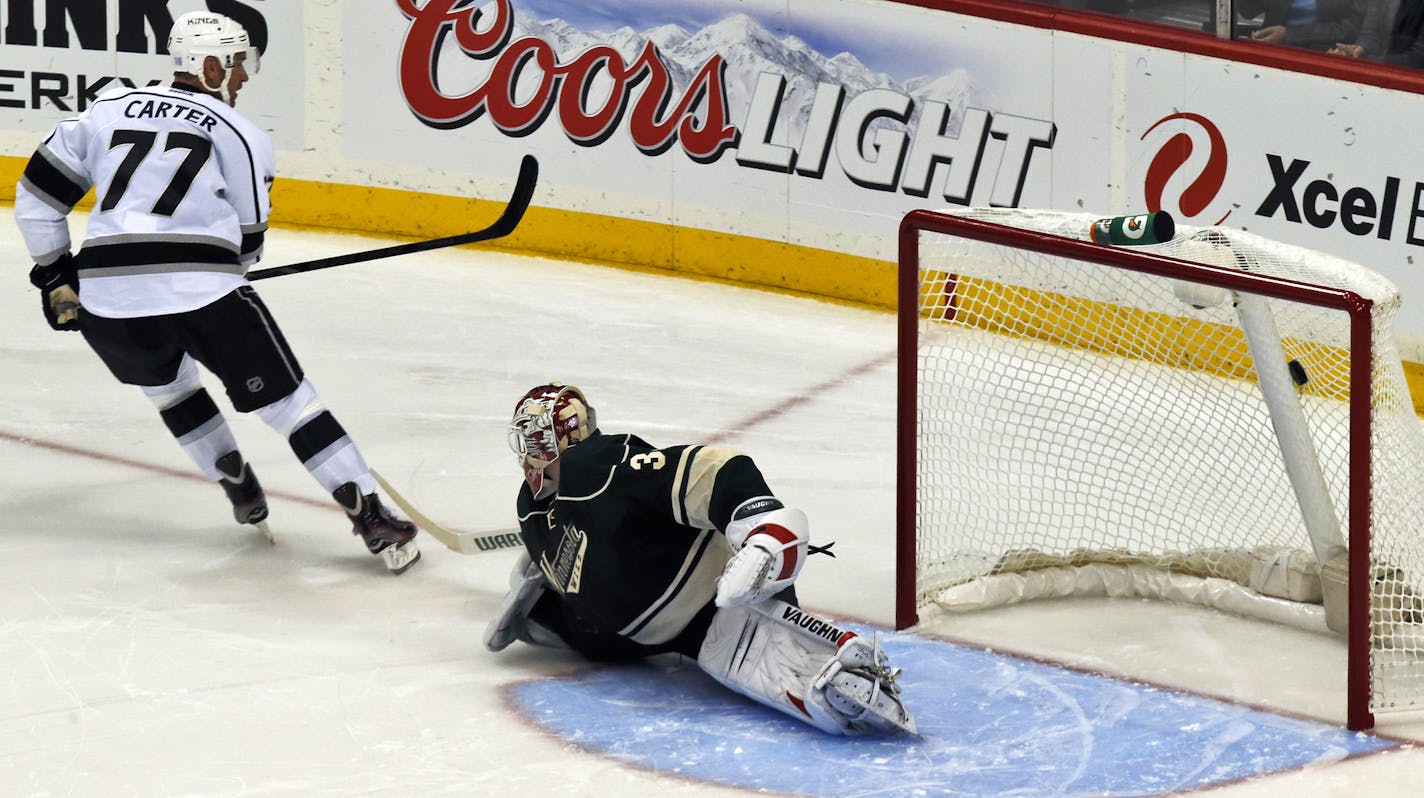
859, 685
249, 502
389, 537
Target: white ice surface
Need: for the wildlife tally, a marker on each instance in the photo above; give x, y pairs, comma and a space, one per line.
151, 647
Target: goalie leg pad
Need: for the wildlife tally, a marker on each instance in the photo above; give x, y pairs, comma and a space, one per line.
511, 620
860, 685
790, 660
767, 663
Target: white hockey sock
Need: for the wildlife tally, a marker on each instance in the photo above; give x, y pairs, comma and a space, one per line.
193, 418
336, 462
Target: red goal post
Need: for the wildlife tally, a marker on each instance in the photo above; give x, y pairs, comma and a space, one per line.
1218, 418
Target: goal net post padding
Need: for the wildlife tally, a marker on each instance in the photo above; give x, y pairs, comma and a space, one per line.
1218, 418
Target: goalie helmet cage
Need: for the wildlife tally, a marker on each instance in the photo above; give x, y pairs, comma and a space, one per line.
1219, 418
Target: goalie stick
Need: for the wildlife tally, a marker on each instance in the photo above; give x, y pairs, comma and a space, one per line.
503, 226
462, 542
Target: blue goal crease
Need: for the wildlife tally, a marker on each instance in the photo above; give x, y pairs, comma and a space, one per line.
990, 724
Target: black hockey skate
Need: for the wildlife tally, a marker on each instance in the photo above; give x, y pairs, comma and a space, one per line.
389, 537
249, 503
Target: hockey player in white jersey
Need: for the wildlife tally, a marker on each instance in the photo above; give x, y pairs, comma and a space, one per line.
157, 286
634, 550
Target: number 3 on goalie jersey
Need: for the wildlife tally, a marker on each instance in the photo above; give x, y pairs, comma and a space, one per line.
654, 460
140, 142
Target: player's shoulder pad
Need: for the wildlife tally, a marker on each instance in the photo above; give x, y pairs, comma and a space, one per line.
585, 469
715, 456
685, 459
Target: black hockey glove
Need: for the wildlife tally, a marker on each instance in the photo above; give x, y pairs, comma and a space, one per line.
59, 292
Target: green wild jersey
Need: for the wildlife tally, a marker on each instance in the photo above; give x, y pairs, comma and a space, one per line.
632, 541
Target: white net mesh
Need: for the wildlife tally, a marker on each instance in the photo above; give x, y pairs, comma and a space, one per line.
1072, 414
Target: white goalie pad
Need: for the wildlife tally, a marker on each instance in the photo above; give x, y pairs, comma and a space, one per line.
769, 549
859, 684
806, 667
511, 621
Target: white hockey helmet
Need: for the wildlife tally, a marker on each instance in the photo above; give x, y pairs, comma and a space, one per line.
199, 34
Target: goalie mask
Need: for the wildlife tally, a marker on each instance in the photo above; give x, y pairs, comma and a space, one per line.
200, 34
547, 420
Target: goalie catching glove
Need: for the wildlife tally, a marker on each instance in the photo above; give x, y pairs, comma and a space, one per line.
59, 292
769, 544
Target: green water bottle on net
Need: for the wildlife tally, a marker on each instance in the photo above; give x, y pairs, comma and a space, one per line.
1145, 228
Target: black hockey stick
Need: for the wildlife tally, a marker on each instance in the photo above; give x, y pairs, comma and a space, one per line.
503, 226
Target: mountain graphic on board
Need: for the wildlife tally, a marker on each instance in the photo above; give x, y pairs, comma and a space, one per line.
749, 50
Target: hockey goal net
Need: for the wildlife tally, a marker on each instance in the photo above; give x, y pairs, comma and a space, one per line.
1218, 418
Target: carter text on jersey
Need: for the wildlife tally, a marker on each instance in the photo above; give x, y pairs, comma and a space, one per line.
150, 109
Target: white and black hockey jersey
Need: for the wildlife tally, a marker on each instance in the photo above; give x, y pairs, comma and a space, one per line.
182, 192
632, 540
